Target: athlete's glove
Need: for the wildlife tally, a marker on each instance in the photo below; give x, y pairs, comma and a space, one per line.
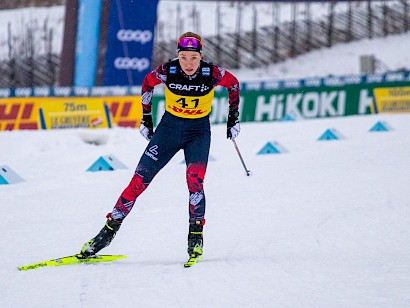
147, 127
233, 127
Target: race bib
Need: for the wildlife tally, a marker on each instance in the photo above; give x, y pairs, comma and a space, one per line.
188, 106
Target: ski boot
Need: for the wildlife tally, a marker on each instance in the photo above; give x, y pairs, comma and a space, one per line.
102, 239
195, 241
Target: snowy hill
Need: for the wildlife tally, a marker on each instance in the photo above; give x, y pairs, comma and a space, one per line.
339, 60
326, 224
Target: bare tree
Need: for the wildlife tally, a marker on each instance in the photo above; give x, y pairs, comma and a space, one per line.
13, 4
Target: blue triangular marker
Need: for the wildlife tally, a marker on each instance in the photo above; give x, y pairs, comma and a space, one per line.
380, 127
106, 163
8, 176
272, 148
330, 134
287, 117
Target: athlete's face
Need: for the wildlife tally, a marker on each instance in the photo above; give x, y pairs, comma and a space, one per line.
189, 61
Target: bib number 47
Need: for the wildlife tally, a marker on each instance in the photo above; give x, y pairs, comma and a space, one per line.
188, 105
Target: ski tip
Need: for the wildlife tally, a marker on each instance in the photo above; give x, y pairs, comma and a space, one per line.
74, 259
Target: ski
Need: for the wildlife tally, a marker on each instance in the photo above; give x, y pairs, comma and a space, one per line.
69, 260
192, 260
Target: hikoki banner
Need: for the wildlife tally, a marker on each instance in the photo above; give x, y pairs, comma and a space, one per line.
392, 100
307, 102
69, 112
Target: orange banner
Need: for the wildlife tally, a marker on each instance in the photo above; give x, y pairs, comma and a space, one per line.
392, 100
23, 113
19, 113
125, 110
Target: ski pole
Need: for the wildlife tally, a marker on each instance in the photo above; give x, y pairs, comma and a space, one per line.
248, 172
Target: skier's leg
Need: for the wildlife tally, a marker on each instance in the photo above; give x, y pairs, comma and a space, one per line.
196, 156
102, 239
159, 151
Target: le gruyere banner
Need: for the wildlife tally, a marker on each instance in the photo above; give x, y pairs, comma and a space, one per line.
74, 113
392, 100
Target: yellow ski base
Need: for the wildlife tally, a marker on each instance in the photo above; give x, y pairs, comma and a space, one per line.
74, 259
192, 260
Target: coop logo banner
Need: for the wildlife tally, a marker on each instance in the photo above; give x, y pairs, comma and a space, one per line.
139, 36
132, 63
130, 39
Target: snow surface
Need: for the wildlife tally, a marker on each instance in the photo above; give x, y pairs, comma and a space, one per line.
326, 224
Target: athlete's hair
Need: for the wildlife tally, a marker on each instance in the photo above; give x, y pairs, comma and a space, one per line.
191, 34
186, 42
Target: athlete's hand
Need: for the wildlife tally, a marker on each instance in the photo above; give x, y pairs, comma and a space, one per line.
233, 126
147, 127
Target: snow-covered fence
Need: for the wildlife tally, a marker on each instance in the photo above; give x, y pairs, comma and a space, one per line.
30, 60
341, 21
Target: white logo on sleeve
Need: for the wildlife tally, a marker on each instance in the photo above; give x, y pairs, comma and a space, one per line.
152, 152
154, 149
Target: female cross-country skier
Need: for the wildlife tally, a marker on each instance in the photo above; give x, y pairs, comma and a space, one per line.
189, 90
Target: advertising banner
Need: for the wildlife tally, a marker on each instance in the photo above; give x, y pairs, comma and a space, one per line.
74, 113
126, 111
59, 107
261, 105
392, 100
19, 113
87, 42
69, 112
130, 40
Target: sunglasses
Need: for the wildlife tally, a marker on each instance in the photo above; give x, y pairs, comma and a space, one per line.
189, 44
